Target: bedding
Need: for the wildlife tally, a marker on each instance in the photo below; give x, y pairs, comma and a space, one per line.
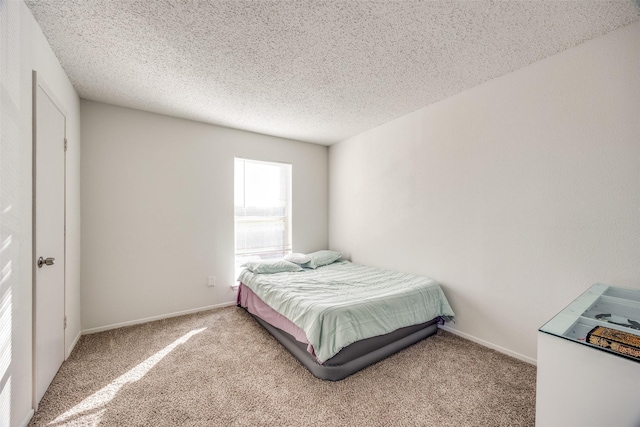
297, 258
254, 305
342, 303
320, 258
271, 266
355, 356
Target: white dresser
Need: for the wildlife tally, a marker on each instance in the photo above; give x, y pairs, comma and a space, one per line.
582, 384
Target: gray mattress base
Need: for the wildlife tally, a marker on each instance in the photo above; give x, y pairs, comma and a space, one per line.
349, 365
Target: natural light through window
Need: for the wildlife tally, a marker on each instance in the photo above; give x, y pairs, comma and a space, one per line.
89, 412
6, 328
262, 210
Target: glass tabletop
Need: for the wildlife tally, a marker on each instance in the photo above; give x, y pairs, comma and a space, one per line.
604, 317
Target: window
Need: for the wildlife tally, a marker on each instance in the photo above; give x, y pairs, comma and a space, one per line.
262, 210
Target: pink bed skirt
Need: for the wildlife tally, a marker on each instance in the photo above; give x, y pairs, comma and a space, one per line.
254, 305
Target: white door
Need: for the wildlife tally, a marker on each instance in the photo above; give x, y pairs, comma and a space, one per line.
49, 233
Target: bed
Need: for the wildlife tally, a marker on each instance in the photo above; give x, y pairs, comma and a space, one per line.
342, 317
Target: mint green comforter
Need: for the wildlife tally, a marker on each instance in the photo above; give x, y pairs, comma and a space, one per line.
343, 302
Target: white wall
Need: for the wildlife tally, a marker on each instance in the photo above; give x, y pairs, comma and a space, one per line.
157, 210
24, 48
516, 195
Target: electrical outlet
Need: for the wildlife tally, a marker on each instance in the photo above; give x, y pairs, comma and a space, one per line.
211, 282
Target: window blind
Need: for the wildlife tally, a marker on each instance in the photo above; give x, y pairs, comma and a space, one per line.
262, 210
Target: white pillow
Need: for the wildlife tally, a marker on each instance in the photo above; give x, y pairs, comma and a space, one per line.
297, 258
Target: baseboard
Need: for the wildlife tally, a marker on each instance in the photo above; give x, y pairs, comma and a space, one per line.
151, 319
490, 345
73, 345
26, 420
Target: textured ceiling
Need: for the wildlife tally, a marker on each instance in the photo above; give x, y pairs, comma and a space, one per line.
317, 71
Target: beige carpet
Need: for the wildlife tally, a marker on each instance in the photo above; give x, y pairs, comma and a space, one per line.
221, 368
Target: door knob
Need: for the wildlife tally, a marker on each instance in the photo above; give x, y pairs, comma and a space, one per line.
47, 261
